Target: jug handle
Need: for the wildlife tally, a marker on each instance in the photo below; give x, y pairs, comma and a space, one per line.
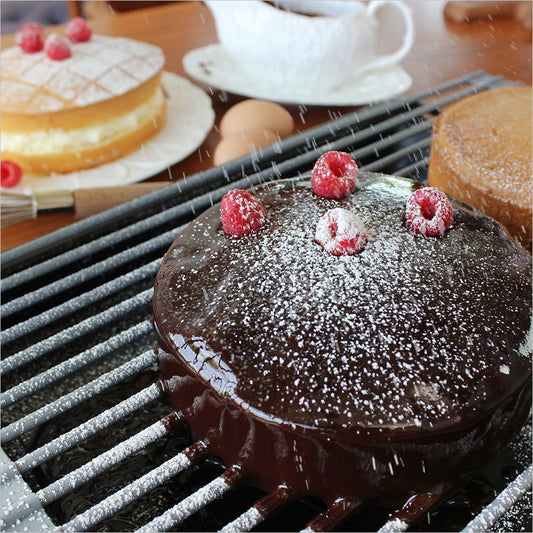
394, 57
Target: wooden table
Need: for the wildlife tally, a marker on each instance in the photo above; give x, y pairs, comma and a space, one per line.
443, 50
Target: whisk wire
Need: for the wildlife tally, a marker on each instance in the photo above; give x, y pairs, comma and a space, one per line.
17, 207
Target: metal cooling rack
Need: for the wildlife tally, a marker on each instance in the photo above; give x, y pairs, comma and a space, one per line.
88, 439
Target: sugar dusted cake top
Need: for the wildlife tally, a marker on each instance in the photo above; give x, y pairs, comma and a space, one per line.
411, 332
99, 69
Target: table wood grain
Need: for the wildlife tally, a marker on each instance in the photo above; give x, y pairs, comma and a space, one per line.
443, 50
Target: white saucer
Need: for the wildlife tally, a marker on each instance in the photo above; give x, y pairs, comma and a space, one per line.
212, 66
190, 117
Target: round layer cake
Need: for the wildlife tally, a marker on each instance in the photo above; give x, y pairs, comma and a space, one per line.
96, 106
392, 372
481, 153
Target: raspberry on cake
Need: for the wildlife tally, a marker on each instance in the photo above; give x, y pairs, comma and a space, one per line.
57, 47
374, 377
78, 30
30, 38
340, 232
241, 213
334, 175
77, 104
429, 212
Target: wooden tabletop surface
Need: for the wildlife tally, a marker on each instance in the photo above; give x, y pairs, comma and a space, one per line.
443, 50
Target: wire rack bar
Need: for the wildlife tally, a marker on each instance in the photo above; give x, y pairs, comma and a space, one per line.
67, 335
61, 370
408, 170
120, 499
67, 402
78, 303
85, 274
203, 496
87, 429
245, 522
74, 255
70, 482
395, 121
402, 135
398, 155
14, 517
502, 503
394, 525
362, 136
100, 464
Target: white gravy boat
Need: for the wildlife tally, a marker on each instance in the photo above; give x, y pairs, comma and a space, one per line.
316, 46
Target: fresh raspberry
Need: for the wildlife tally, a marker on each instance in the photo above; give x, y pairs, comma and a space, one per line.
334, 175
11, 174
78, 31
340, 232
30, 37
57, 47
429, 212
241, 213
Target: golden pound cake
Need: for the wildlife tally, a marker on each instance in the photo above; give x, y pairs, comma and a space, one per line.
481, 153
393, 364
95, 106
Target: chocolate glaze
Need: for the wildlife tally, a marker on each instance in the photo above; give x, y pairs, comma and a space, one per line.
394, 372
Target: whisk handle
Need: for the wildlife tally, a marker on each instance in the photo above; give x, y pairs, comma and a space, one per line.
88, 202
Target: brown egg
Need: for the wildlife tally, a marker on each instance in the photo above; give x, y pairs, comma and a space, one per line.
257, 114
241, 143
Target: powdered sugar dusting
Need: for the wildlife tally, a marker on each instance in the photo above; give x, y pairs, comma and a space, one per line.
101, 463
117, 82
340, 232
98, 70
410, 332
245, 522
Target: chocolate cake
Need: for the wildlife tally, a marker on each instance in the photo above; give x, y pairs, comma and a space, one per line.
395, 371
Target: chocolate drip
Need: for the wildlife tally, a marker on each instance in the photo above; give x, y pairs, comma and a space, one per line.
196, 451
416, 507
234, 476
340, 511
272, 502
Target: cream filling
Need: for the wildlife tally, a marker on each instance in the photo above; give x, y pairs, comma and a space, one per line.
60, 141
